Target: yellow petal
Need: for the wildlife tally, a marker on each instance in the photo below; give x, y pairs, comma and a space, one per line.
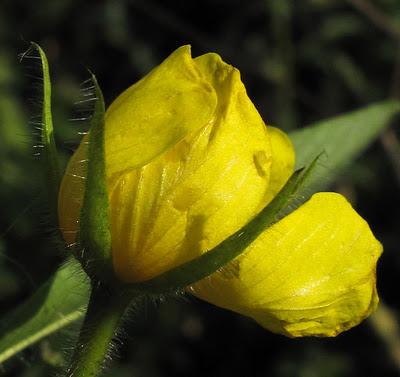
197, 193
311, 274
71, 194
283, 161
171, 101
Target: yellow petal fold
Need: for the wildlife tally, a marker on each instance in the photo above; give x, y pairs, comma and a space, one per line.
310, 274
173, 100
197, 193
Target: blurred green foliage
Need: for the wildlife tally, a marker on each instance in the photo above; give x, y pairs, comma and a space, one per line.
300, 60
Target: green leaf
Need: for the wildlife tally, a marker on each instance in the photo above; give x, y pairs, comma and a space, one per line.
56, 304
206, 264
95, 235
341, 139
49, 149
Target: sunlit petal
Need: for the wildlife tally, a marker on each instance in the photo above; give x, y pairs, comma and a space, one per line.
312, 273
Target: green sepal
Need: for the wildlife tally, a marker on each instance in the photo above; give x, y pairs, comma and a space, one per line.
94, 234
188, 273
49, 149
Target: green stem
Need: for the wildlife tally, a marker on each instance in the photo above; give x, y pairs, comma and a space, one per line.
100, 326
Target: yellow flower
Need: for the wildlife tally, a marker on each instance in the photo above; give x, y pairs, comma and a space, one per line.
189, 161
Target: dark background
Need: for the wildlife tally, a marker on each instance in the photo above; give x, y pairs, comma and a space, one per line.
301, 61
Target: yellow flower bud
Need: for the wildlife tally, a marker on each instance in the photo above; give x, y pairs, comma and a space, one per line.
189, 161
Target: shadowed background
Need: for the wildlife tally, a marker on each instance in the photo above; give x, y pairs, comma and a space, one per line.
301, 61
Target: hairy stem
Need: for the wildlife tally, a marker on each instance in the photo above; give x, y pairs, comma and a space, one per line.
100, 326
